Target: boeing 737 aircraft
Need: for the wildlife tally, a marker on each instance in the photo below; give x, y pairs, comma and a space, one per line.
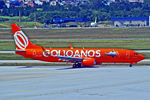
79, 57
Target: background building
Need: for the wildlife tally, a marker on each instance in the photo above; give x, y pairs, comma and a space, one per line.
140, 1
131, 21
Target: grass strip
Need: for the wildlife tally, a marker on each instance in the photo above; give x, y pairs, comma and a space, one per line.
120, 44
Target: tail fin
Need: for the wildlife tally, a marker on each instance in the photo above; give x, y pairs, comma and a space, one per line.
21, 40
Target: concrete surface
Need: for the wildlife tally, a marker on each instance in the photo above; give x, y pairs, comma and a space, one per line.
65, 83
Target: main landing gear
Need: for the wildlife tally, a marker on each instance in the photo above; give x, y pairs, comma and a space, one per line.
77, 65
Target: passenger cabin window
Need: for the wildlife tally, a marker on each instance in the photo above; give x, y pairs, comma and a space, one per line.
136, 53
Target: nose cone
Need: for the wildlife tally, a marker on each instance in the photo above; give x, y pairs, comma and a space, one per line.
141, 57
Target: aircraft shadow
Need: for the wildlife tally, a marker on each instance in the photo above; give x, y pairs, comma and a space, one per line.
64, 67
27, 67
77, 68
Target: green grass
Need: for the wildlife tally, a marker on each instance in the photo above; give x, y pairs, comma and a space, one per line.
101, 33
147, 55
23, 24
120, 44
29, 24
12, 57
4, 25
13, 18
125, 44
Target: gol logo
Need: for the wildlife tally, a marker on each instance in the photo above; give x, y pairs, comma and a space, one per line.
21, 40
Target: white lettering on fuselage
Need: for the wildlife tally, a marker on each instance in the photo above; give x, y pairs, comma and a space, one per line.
72, 53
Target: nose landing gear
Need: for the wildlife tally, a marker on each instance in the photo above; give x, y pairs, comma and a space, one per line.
130, 65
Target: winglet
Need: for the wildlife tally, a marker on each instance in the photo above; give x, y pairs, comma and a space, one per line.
70, 46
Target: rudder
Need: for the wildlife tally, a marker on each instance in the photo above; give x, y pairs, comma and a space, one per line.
21, 40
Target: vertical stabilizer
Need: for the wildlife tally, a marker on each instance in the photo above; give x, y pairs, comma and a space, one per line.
21, 40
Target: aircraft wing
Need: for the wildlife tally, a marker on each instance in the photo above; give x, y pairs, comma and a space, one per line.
76, 59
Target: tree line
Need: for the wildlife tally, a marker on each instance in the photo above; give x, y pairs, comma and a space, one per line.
95, 8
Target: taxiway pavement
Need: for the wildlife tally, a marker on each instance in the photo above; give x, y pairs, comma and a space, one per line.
64, 83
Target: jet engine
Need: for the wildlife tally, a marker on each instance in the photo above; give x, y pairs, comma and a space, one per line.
88, 62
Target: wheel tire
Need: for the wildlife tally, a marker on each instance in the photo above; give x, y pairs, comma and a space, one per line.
79, 65
130, 65
73, 65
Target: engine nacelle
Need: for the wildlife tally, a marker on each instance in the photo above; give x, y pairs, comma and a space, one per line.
88, 62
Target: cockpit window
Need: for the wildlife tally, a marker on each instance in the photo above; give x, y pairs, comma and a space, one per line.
136, 53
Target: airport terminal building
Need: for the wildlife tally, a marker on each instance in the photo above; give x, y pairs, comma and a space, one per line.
131, 21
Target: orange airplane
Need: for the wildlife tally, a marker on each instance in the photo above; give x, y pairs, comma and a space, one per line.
80, 57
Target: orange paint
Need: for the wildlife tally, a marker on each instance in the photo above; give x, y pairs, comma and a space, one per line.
84, 57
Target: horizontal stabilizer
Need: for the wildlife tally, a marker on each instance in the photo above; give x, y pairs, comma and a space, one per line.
20, 51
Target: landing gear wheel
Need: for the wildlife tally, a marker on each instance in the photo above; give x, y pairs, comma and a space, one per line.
76, 65
79, 65
130, 65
